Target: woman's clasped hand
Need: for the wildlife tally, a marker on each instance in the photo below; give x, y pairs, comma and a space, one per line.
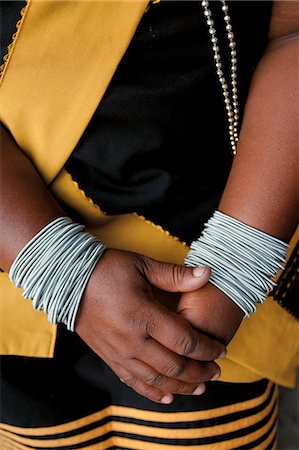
153, 350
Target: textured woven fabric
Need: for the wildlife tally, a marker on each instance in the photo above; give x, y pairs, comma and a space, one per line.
76, 402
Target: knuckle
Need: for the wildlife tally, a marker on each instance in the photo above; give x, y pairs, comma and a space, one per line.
143, 265
139, 323
177, 274
186, 345
130, 381
151, 329
151, 394
208, 370
212, 353
154, 379
175, 369
181, 388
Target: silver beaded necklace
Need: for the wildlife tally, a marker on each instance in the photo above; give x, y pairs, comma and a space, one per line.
229, 90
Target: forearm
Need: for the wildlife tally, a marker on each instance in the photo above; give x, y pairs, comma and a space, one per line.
262, 190
108, 303
263, 186
26, 203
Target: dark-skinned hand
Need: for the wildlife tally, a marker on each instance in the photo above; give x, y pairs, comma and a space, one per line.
211, 311
150, 348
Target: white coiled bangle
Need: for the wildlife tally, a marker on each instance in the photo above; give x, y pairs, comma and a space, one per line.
243, 260
54, 268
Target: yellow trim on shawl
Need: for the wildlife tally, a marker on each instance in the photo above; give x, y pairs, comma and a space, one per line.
57, 73
13, 38
53, 81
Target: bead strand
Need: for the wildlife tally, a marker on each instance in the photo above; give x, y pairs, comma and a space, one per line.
230, 98
233, 128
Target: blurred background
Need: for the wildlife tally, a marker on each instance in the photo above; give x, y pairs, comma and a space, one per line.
288, 429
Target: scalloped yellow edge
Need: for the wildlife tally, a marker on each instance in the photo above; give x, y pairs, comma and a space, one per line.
7, 56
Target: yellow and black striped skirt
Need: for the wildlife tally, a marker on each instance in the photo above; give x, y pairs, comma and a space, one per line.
74, 401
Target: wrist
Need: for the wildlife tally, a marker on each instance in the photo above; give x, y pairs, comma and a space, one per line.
243, 259
54, 268
211, 311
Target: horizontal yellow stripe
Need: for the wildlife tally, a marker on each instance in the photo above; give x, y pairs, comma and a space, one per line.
142, 430
9, 444
275, 444
268, 441
122, 443
142, 445
138, 414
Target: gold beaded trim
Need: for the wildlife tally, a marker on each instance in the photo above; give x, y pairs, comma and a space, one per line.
98, 208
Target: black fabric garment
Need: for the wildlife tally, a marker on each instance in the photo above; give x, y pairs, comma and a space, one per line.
84, 404
158, 126
158, 142
77, 383
10, 13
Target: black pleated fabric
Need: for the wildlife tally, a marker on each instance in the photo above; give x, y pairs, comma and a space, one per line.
75, 401
158, 142
10, 13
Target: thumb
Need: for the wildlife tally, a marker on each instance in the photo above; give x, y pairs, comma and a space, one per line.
174, 277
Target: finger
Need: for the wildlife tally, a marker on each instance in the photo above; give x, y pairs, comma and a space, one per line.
174, 366
174, 277
151, 392
176, 334
152, 377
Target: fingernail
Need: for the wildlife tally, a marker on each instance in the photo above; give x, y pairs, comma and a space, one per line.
167, 399
199, 390
222, 355
216, 376
199, 271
